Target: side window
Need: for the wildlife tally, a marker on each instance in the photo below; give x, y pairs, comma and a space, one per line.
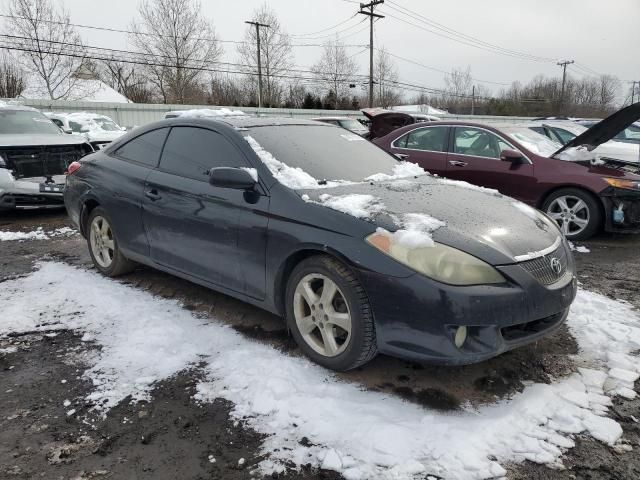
144, 149
565, 136
191, 152
75, 127
57, 122
401, 142
430, 139
539, 130
477, 143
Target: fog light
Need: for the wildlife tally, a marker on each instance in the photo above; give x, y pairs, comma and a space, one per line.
461, 336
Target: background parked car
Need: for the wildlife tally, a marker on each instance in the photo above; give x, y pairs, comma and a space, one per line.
243, 205
580, 196
98, 129
34, 154
565, 131
350, 124
631, 134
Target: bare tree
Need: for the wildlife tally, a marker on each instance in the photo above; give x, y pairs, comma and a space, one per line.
459, 84
335, 70
180, 44
385, 75
295, 95
275, 55
48, 39
224, 90
12, 80
609, 88
126, 79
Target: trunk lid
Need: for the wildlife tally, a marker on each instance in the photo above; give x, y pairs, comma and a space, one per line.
385, 121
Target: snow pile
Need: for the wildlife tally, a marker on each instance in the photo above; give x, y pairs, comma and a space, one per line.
461, 184
401, 170
576, 154
579, 248
357, 205
291, 177
415, 230
361, 434
38, 234
208, 112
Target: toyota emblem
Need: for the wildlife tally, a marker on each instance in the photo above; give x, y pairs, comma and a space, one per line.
556, 266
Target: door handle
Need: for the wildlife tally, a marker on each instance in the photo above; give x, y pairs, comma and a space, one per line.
152, 195
401, 156
457, 163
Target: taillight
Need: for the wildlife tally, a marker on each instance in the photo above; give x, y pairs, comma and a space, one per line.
73, 168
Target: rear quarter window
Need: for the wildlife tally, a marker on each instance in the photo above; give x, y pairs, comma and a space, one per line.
144, 149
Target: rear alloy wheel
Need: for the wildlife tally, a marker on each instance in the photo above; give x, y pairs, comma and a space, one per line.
329, 315
576, 212
103, 246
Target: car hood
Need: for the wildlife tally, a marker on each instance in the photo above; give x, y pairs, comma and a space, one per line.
482, 222
34, 140
385, 121
605, 130
103, 136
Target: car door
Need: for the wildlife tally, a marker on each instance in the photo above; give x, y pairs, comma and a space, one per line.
212, 233
122, 177
426, 146
475, 158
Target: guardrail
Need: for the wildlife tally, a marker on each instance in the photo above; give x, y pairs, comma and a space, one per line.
135, 114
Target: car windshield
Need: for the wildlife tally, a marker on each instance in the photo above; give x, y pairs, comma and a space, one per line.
25, 122
535, 142
107, 124
325, 153
351, 124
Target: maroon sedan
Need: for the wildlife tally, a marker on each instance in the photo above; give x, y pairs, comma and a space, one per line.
581, 193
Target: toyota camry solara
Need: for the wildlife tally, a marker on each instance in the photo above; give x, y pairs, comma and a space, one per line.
362, 254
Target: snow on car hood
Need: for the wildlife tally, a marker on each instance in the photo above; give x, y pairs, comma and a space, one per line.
33, 140
479, 221
601, 132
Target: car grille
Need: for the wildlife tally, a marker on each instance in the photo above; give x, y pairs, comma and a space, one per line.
524, 330
42, 161
541, 268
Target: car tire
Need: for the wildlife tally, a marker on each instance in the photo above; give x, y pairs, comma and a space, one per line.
103, 245
568, 206
312, 322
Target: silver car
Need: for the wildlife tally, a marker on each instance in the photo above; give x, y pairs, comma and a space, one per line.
34, 155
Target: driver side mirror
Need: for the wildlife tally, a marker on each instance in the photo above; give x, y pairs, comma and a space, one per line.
512, 156
235, 178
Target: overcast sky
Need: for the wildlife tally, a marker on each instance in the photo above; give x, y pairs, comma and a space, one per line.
603, 36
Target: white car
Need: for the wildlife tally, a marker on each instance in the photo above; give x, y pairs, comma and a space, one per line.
563, 131
99, 130
34, 155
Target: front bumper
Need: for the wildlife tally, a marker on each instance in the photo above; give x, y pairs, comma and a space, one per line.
622, 210
25, 193
416, 317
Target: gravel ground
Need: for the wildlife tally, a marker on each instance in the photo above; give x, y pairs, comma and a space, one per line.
173, 437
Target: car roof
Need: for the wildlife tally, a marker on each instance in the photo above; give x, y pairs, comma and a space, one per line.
16, 107
319, 119
246, 121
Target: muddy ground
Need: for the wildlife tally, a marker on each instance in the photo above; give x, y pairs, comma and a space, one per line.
173, 437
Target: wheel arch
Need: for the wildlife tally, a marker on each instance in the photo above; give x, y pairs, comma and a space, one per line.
89, 203
287, 266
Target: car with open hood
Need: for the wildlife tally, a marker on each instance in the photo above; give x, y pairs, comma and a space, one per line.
361, 253
99, 130
34, 155
574, 185
349, 123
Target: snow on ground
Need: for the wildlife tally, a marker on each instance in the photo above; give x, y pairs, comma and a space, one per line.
38, 234
579, 248
362, 434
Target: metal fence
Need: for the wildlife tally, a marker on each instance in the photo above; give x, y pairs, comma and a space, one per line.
136, 114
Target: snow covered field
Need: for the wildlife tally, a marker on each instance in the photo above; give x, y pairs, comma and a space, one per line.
361, 434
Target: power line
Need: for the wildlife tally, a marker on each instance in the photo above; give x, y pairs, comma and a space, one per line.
325, 29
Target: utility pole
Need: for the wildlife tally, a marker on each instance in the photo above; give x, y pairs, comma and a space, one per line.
633, 90
564, 76
258, 25
371, 16
473, 99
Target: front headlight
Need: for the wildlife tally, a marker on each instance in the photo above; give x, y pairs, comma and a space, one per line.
439, 262
623, 183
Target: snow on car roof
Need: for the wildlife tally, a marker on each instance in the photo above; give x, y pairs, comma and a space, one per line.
15, 106
205, 112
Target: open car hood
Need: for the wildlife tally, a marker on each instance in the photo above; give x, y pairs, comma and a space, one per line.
605, 130
385, 121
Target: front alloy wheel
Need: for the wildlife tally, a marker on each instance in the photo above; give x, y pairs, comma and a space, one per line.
570, 213
322, 315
